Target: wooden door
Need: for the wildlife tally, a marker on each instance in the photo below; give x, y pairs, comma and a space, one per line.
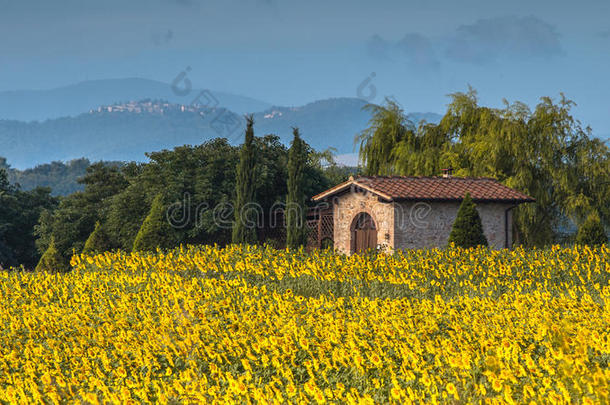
364, 233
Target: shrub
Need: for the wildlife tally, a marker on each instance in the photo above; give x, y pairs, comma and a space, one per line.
98, 241
52, 260
467, 229
155, 231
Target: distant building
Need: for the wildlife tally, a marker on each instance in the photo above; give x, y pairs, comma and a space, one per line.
413, 212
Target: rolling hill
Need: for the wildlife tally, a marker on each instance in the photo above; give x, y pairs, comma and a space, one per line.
124, 132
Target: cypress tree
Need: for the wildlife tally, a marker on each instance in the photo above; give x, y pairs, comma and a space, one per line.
155, 231
295, 201
52, 260
243, 231
467, 229
98, 241
591, 232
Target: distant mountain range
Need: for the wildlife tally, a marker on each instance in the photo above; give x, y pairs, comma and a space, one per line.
125, 131
121, 119
39, 105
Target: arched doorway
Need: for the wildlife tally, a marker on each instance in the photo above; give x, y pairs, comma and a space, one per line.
363, 233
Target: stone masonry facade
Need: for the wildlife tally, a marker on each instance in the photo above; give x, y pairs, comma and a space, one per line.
427, 225
415, 225
345, 209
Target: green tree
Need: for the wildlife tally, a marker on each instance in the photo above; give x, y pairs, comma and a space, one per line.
98, 241
194, 179
271, 171
127, 211
19, 213
393, 145
198, 184
388, 126
467, 229
4, 183
295, 201
155, 231
544, 153
29, 206
75, 217
592, 232
244, 230
7, 201
52, 260
61, 178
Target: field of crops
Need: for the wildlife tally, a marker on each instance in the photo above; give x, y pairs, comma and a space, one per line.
252, 324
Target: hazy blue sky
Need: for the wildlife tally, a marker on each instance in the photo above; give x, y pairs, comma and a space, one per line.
293, 52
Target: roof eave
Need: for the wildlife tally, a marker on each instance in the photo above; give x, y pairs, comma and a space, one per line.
341, 187
476, 200
336, 189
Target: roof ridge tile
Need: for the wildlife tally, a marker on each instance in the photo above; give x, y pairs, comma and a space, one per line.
435, 188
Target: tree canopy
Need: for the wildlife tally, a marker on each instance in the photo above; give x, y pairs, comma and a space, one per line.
244, 230
19, 214
591, 232
295, 201
545, 153
199, 188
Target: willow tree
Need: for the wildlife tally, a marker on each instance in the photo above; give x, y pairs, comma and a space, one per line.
544, 153
392, 144
243, 228
295, 201
387, 127
592, 232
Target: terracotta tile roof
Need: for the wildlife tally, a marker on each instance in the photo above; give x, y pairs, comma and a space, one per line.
432, 189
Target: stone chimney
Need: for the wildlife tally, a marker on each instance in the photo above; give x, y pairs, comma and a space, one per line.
448, 172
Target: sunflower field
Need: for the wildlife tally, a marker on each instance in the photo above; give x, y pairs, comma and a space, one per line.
251, 324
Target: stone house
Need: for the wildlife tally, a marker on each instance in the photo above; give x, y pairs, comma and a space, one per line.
414, 212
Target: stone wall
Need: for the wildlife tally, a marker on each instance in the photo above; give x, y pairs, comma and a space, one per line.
413, 225
427, 225
345, 209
